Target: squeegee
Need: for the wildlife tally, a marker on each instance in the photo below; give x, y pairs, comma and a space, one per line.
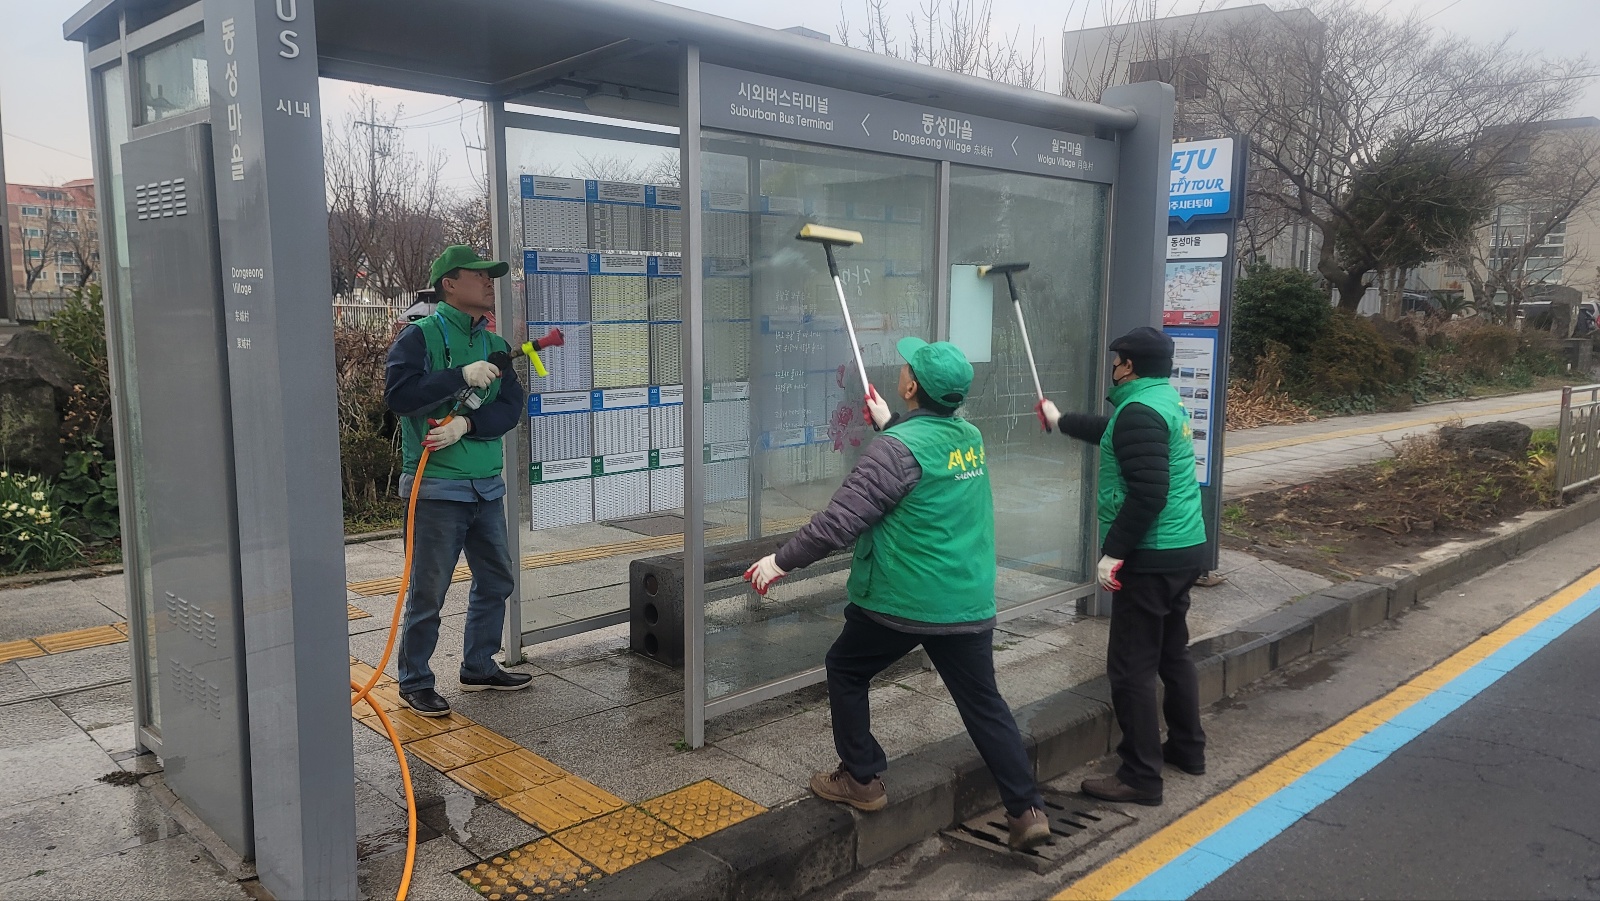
830, 238
1009, 270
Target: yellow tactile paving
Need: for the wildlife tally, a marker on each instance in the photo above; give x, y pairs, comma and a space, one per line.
507, 774
354, 612
78, 639
387, 696
541, 869
120, 627
560, 804
619, 840
20, 650
702, 808
413, 727
460, 747
391, 584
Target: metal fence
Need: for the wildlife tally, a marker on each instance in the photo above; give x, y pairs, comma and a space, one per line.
1578, 446
371, 316
37, 306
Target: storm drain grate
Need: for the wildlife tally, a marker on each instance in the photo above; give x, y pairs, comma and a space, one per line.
1074, 826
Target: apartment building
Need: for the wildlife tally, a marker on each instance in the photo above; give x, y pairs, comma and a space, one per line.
55, 238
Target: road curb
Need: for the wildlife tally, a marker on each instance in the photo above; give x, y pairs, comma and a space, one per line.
804, 845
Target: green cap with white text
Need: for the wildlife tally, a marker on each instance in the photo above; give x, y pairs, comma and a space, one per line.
940, 368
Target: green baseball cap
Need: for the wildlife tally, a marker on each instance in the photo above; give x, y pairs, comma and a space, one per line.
460, 256
940, 368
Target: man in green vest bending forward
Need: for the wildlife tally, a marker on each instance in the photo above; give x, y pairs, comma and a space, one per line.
919, 510
1152, 542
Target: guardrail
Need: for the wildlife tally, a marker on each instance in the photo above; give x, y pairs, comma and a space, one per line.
1578, 446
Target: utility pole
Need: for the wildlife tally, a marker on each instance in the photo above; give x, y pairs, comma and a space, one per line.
7, 289
373, 126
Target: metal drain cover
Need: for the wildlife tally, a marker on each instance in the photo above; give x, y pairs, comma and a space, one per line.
1074, 826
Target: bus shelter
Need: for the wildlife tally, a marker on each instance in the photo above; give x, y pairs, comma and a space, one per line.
705, 401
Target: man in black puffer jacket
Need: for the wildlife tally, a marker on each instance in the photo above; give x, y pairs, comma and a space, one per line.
1153, 548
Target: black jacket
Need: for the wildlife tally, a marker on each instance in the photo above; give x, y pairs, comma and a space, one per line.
1140, 442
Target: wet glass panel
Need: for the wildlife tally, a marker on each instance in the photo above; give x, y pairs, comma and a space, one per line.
783, 398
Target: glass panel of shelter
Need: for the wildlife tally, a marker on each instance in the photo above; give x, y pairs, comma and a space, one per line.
597, 226
783, 399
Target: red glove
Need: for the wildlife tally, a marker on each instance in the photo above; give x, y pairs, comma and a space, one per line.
874, 410
552, 338
763, 573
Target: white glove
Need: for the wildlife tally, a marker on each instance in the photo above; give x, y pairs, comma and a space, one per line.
1049, 416
877, 411
442, 435
1106, 573
763, 573
480, 374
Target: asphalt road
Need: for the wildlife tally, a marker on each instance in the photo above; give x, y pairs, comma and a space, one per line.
1500, 799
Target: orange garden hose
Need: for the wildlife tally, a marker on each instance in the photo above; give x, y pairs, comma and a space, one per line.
364, 692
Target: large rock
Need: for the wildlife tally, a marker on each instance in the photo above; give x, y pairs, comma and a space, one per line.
35, 380
1508, 438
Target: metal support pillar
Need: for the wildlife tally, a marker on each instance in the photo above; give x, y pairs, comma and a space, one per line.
510, 320
273, 225
694, 410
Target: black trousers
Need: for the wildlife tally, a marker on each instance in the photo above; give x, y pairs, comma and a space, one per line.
1150, 638
966, 664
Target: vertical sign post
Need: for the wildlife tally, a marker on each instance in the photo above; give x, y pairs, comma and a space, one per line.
272, 223
1205, 202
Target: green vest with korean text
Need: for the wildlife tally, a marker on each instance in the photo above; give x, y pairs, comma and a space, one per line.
452, 344
1179, 524
931, 559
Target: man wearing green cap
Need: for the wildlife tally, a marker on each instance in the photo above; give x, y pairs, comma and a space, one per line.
918, 507
437, 366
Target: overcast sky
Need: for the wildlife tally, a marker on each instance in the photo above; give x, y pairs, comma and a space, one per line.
43, 104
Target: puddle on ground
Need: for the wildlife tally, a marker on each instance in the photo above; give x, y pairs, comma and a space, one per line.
1315, 674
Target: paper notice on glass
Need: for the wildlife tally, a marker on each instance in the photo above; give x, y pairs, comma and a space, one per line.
971, 313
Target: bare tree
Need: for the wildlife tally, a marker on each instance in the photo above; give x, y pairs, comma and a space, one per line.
1323, 99
958, 35
84, 241
40, 243
1552, 177
385, 204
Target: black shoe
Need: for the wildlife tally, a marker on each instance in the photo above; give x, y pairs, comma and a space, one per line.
426, 702
1191, 769
500, 681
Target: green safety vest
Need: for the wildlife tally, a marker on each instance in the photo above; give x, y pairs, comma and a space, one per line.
931, 559
1179, 524
469, 458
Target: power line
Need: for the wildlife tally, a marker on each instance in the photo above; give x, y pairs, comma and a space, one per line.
48, 147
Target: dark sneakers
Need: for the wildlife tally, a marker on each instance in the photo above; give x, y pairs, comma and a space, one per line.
426, 702
1198, 769
500, 681
1110, 788
840, 786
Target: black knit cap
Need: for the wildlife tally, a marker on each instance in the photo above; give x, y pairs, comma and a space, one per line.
1148, 349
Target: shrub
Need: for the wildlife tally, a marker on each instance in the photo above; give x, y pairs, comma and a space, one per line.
1351, 359
79, 330
32, 535
369, 442
1276, 305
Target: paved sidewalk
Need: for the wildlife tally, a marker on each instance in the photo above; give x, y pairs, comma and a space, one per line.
594, 743
1273, 456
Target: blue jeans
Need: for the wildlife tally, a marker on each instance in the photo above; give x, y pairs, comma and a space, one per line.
443, 530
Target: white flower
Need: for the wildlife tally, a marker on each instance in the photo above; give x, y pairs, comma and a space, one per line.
38, 495
13, 506
44, 516
31, 512
33, 478
24, 536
